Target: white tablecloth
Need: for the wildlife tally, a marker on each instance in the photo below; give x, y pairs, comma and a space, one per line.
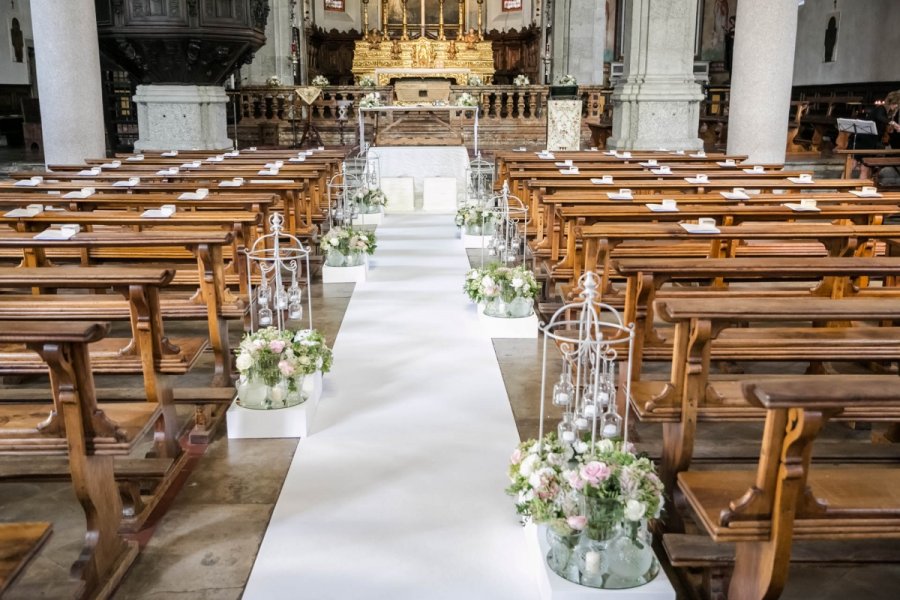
419, 162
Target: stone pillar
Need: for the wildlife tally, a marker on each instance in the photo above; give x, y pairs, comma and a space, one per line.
68, 76
181, 117
762, 75
274, 58
579, 40
657, 103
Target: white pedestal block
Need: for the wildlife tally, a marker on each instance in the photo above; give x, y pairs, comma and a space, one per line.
475, 241
181, 117
368, 218
497, 327
400, 193
439, 195
553, 587
345, 274
293, 422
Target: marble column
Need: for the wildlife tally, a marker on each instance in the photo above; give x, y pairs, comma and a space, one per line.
761, 78
579, 40
657, 103
274, 58
68, 75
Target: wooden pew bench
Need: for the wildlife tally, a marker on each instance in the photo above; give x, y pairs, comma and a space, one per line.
19, 543
788, 498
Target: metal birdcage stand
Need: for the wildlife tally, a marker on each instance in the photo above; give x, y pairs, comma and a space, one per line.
341, 207
510, 217
479, 181
279, 259
591, 338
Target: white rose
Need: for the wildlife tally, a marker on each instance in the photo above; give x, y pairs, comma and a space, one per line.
334, 242
517, 282
304, 360
526, 496
528, 465
535, 479
319, 363
634, 510
580, 447
243, 362
605, 446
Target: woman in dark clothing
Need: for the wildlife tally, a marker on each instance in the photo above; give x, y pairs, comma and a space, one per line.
883, 115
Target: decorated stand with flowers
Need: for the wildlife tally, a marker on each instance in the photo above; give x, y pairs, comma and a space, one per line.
370, 205
346, 254
281, 361
505, 298
586, 494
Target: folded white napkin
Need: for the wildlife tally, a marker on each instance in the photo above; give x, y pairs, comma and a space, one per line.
623, 155
274, 165
271, 171
619, 196
565, 163
756, 169
735, 195
251, 149
797, 207
232, 154
64, 233
697, 179
865, 194
602, 180
801, 179
191, 165
115, 164
698, 228
33, 182
231, 183
219, 158
90, 172
661, 208
662, 171
82, 193
130, 182
649, 163
727, 163
200, 194
163, 212
700, 154
29, 211
297, 159
169, 154
135, 158
169, 171
569, 171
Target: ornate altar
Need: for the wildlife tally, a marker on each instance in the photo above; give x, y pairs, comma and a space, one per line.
400, 59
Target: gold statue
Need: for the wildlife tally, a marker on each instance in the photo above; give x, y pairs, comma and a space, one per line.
451, 50
374, 38
471, 38
396, 50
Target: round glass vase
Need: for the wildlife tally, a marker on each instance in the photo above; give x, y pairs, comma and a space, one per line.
604, 516
370, 209
255, 394
474, 229
497, 307
355, 258
632, 562
334, 258
521, 307
562, 542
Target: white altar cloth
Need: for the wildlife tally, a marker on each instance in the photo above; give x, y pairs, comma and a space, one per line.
419, 162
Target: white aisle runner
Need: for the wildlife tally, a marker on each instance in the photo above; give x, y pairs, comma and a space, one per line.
399, 492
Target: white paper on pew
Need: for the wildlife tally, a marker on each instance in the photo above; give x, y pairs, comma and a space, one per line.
232, 154
112, 165
801, 180
602, 180
191, 165
219, 158
625, 154
163, 212
565, 163
797, 207
572, 171
53, 208
251, 149
546, 156
135, 158
661, 208
90, 172
231, 183
618, 196
610, 153
522, 149
296, 159
662, 171
309, 152
169, 154
26, 183
271, 181
130, 182
698, 228
860, 194
82, 193
649, 163
735, 195
267, 172
756, 169
726, 163
54, 192
32, 210
679, 152
56, 234
700, 154
170, 171
697, 180
274, 165
200, 194
320, 148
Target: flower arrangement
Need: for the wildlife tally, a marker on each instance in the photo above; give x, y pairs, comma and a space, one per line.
567, 80
371, 100
346, 240
371, 199
473, 215
320, 81
467, 100
271, 355
498, 282
273, 81
521, 80
366, 81
474, 80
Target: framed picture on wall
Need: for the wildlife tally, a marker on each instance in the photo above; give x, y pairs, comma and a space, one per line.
334, 5
832, 25
511, 5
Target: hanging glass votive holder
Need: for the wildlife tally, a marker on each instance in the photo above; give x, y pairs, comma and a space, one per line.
295, 311
582, 423
610, 425
263, 295
566, 429
294, 293
563, 392
281, 299
265, 316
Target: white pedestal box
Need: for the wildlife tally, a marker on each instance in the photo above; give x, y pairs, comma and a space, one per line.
400, 192
345, 274
499, 327
368, 218
293, 422
475, 241
439, 195
553, 587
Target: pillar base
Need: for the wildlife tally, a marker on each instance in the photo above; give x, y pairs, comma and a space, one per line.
181, 117
662, 113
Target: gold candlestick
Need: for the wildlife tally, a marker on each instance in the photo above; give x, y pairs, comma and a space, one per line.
462, 20
480, 19
441, 20
384, 18
405, 35
365, 8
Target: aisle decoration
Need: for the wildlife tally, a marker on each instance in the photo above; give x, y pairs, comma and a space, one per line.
370, 201
273, 364
584, 483
347, 247
475, 219
505, 292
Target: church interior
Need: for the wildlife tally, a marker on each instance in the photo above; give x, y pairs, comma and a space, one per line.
449, 299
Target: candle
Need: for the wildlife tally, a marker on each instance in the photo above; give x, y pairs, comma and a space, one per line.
610, 430
568, 436
603, 397
581, 423
590, 410
562, 398
592, 560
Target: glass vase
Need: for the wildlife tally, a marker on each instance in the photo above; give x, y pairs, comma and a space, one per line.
354, 259
371, 209
632, 562
521, 307
334, 258
473, 229
255, 394
591, 555
562, 542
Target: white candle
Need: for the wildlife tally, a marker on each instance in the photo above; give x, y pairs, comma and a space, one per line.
568, 436
592, 562
590, 410
581, 423
562, 398
610, 430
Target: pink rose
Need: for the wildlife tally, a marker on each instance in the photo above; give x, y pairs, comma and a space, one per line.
516, 457
574, 480
577, 522
277, 346
286, 368
594, 472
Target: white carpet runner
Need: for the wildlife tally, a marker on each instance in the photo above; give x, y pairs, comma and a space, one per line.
398, 494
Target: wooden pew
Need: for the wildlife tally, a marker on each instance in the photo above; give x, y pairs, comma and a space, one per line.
19, 543
788, 498
93, 435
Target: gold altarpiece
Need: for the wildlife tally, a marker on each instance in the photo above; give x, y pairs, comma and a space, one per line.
422, 49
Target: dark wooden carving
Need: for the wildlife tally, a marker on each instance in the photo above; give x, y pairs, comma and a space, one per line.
331, 54
197, 42
515, 52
